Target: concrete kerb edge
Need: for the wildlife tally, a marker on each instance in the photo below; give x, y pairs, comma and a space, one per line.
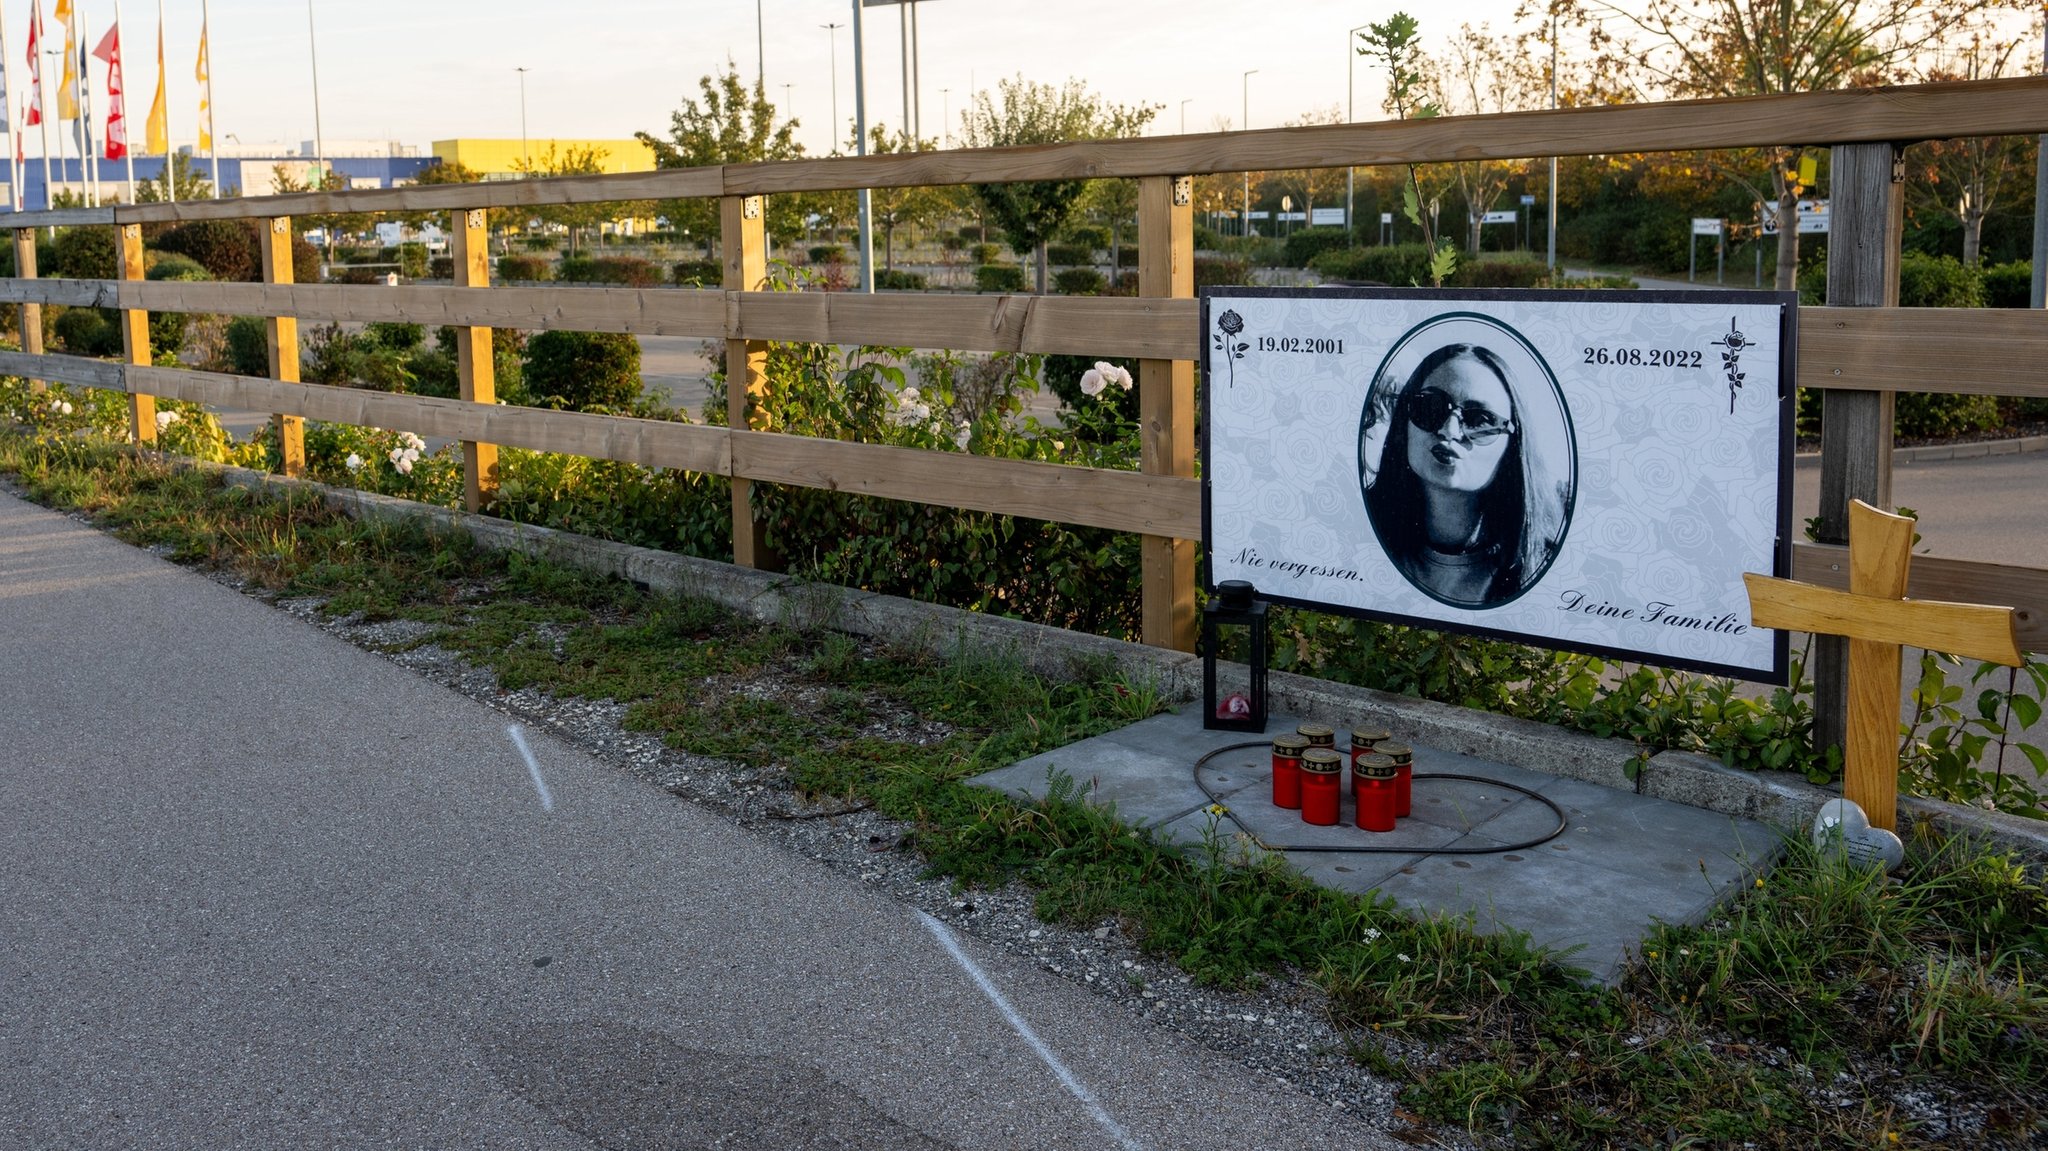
1683, 777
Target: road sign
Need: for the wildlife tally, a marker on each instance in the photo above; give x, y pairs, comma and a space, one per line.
1813, 217
1326, 217
1507, 217
1386, 217
1706, 227
1528, 200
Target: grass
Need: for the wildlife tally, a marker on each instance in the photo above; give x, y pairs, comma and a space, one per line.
1806, 1014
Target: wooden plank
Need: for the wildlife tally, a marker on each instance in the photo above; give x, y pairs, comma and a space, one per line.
1866, 222
1970, 351
1854, 115
1100, 326
667, 184
1976, 631
57, 218
70, 293
281, 334
469, 246
650, 443
1942, 578
31, 315
1166, 408
59, 369
1091, 497
135, 336
743, 238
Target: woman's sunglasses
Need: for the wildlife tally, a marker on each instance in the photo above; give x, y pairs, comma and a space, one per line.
1432, 408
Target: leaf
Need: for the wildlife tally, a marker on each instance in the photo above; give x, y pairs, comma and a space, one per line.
2026, 709
2035, 757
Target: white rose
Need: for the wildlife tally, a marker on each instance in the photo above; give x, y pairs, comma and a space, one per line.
1091, 382
354, 462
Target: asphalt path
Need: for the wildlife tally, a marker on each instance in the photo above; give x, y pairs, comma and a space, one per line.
263, 889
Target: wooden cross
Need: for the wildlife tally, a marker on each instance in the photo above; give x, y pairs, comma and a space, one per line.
1878, 619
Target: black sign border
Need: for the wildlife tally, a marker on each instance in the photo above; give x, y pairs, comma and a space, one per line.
1787, 304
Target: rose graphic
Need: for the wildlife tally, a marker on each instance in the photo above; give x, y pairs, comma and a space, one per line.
1226, 341
1731, 360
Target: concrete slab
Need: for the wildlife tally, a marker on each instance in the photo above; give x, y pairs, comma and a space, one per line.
1621, 863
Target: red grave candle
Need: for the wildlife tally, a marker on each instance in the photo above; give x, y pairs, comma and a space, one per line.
1373, 785
1404, 775
1322, 772
1363, 742
1287, 752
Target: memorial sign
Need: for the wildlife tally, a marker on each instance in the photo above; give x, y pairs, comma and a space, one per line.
1586, 470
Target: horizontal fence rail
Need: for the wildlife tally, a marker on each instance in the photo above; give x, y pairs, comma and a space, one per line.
1864, 349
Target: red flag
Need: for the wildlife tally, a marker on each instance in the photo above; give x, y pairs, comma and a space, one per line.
35, 68
117, 119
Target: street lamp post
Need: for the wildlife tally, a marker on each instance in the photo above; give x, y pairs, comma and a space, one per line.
760, 53
319, 141
1551, 258
1245, 226
1351, 116
833, 31
860, 148
525, 148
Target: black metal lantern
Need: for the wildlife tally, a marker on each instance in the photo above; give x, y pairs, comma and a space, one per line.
1234, 606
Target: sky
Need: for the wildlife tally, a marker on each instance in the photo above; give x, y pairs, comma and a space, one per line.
425, 70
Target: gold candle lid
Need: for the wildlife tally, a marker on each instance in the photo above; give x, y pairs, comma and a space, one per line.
1368, 736
1290, 745
1322, 761
1318, 735
1399, 752
1375, 766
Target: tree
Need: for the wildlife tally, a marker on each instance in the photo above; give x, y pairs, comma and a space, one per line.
1727, 48
1482, 74
573, 161
732, 126
1114, 203
283, 180
1027, 112
893, 208
189, 183
1967, 180
1395, 43
1309, 186
445, 172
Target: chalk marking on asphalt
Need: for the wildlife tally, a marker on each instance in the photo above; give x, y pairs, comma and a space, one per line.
547, 801
1067, 1078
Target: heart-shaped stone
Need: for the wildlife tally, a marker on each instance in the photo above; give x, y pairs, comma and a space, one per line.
1843, 826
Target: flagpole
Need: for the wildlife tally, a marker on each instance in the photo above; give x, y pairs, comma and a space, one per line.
83, 81
6, 98
42, 104
206, 45
127, 137
170, 150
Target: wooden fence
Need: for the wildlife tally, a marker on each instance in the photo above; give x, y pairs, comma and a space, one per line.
1860, 349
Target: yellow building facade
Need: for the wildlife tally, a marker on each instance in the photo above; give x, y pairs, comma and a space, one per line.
505, 159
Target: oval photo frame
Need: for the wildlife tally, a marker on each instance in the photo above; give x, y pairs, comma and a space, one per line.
1542, 453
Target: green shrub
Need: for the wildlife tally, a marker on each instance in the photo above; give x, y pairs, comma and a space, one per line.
85, 253
698, 274
537, 243
167, 330
1308, 243
2009, 285
827, 254
984, 253
1938, 282
1127, 256
89, 331
1089, 236
1515, 273
1063, 375
226, 248
517, 268
508, 370
441, 268
1080, 282
998, 278
581, 370
952, 243
1398, 265
627, 271
1221, 271
248, 345
434, 373
1068, 254
412, 260
1922, 415
351, 274
399, 337
344, 359
899, 280
46, 257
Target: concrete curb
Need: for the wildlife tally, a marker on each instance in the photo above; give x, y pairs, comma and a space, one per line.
1785, 803
1934, 453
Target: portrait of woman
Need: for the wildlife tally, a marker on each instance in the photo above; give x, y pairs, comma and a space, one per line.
1461, 479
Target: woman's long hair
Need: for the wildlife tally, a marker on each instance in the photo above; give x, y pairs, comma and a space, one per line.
1515, 516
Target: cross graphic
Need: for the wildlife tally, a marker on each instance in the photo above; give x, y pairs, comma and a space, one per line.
1878, 620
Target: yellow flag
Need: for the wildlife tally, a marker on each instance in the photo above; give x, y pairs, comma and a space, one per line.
67, 89
202, 73
158, 130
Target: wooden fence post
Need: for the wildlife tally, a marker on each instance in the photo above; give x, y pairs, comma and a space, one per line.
1166, 407
283, 338
135, 336
744, 238
31, 314
1866, 225
470, 248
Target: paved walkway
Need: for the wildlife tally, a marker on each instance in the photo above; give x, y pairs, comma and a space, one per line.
266, 890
